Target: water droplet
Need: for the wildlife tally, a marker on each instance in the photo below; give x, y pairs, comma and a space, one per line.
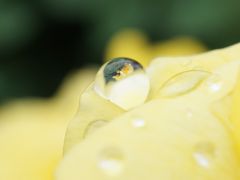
93, 126
204, 153
214, 83
138, 123
111, 161
183, 83
124, 82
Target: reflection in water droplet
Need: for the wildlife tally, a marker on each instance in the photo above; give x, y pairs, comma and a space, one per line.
124, 82
214, 83
138, 123
93, 126
204, 153
111, 161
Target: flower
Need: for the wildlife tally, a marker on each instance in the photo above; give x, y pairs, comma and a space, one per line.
32, 130
187, 128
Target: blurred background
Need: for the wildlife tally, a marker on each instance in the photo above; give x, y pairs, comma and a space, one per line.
43, 40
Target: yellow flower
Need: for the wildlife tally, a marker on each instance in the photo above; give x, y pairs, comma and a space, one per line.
187, 127
32, 130
235, 114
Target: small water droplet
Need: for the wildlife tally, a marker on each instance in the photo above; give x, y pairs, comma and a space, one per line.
214, 83
111, 161
138, 123
182, 83
204, 153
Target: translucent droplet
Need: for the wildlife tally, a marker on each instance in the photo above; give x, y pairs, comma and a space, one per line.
111, 161
214, 83
138, 123
93, 126
183, 83
124, 82
204, 153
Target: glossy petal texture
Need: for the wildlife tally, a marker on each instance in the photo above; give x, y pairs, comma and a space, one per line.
189, 125
92, 108
168, 142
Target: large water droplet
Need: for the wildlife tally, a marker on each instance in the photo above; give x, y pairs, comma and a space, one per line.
111, 161
138, 123
204, 153
214, 83
124, 82
93, 126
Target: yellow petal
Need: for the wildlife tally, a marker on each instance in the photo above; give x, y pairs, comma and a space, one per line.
152, 142
183, 128
31, 140
92, 108
129, 43
235, 113
32, 131
162, 69
68, 95
179, 46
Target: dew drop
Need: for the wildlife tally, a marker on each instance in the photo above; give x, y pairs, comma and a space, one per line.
124, 82
138, 123
204, 153
111, 161
214, 83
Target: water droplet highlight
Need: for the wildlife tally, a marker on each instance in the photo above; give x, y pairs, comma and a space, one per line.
111, 161
138, 123
204, 153
214, 83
